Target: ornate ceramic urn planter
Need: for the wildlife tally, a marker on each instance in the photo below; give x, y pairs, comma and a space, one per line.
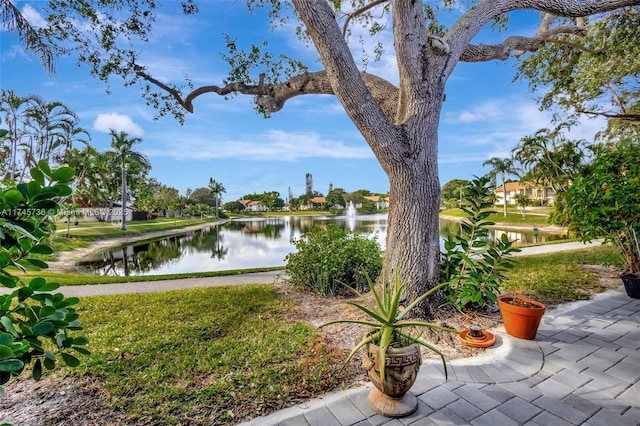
392, 398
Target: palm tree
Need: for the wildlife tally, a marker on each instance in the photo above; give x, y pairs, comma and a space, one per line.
523, 202
123, 145
550, 158
94, 171
502, 166
461, 190
13, 20
50, 124
72, 133
14, 109
216, 189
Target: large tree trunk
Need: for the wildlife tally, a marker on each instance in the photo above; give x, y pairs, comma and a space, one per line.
413, 242
405, 141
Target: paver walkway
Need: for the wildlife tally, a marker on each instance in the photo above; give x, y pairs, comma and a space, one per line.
582, 369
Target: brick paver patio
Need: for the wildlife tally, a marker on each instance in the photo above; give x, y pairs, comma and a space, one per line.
582, 369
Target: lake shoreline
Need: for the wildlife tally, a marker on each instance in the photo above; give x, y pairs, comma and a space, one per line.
66, 260
548, 229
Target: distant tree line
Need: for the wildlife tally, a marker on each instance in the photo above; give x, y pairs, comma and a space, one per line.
38, 129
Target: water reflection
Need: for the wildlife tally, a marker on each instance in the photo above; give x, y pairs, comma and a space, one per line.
245, 243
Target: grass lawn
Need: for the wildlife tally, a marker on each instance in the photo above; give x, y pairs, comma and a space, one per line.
204, 356
220, 355
513, 217
556, 278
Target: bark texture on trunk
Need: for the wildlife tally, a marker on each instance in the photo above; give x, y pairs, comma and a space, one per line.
413, 242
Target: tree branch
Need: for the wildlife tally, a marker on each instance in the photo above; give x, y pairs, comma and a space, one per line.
13, 20
616, 98
624, 117
575, 46
273, 97
346, 80
577, 9
459, 36
360, 11
519, 44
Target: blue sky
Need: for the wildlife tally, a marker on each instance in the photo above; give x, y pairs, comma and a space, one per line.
484, 116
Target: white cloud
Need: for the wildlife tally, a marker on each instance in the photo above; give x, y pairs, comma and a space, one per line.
33, 17
488, 111
16, 51
587, 128
469, 117
118, 122
35, 20
494, 127
272, 145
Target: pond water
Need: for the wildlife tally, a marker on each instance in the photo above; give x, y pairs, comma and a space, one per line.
245, 243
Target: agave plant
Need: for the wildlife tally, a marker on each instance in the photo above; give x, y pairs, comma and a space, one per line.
388, 326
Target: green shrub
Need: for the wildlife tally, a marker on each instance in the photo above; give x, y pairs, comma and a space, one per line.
451, 204
471, 264
329, 258
604, 201
36, 326
367, 207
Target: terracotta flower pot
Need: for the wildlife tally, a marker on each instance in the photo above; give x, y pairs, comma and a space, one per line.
521, 316
392, 398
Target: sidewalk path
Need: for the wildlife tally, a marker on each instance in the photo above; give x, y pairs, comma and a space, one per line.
164, 285
582, 369
551, 248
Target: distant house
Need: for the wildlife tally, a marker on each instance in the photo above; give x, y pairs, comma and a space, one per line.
320, 203
82, 211
538, 194
380, 202
253, 206
317, 203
